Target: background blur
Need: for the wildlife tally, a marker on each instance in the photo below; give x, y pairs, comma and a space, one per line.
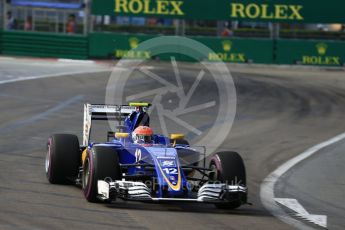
96, 30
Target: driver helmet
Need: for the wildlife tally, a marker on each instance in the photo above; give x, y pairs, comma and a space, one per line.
140, 109
142, 134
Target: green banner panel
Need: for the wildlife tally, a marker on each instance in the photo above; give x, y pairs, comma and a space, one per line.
43, 45
239, 50
114, 45
117, 46
105, 45
306, 52
110, 45
304, 11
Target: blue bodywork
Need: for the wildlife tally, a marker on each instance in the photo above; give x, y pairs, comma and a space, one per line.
165, 170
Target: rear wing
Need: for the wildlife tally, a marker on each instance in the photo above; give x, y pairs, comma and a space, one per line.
104, 113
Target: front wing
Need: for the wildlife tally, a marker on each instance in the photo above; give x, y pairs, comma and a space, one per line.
138, 191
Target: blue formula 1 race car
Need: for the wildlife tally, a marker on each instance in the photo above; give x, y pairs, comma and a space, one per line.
135, 164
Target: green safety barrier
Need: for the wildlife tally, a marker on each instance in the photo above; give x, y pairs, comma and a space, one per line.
117, 46
291, 11
237, 50
43, 44
105, 45
110, 45
308, 52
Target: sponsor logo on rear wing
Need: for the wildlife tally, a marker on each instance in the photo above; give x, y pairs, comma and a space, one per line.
123, 109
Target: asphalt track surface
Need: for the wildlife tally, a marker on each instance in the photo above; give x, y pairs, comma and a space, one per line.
12, 69
280, 113
319, 185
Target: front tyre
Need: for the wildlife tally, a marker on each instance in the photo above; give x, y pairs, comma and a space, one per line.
100, 163
228, 168
62, 159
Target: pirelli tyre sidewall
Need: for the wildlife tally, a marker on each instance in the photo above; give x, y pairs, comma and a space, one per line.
62, 158
101, 163
228, 167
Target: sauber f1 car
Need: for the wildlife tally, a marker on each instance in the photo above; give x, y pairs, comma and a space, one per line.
165, 169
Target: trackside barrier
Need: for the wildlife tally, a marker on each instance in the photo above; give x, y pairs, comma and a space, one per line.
43, 45
119, 45
238, 50
105, 45
309, 52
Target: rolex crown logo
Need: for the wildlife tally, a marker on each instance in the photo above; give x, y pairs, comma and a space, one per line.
227, 45
133, 42
321, 48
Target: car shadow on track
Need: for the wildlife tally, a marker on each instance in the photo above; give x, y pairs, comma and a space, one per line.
244, 210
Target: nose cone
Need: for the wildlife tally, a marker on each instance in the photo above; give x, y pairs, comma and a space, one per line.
170, 176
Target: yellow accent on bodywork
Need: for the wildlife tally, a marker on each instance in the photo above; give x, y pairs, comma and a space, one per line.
121, 135
139, 104
83, 156
176, 187
176, 136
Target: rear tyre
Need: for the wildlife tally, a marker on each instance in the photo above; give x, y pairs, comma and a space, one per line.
101, 163
62, 159
228, 168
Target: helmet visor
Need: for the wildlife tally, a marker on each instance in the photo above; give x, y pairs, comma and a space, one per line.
144, 139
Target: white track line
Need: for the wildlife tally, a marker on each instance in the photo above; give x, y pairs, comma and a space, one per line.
7, 58
49, 75
74, 61
267, 186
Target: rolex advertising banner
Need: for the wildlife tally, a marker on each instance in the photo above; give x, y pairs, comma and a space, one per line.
111, 45
238, 50
306, 11
303, 52
105, 45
